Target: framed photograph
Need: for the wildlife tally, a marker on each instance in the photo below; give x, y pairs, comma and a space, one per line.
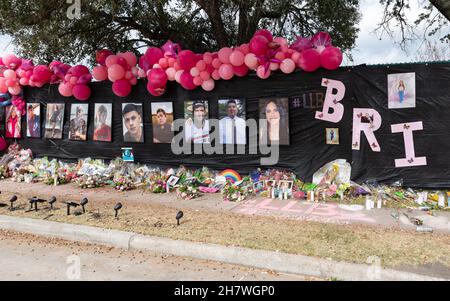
34, 120
232, 125
54, 121
276, 128
196, 127
162, 119
173, 180
127, 154
332, 135
401, 90
13, 122
133, 123
285, 185
78, 121
269, 184
102, 122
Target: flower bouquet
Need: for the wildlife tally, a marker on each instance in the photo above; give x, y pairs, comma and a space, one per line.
123, 183
188, 192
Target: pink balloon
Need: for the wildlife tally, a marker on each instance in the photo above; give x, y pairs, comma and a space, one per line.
129, 57
295, 56
121, 87
224, 54
135, 71
215, 75
274, 66
226, 71
178, 76
39, 84
111, 60
163, 62
24, 81
101, 56
309, 60
152, 55
65, 89
187, 81
237, 58
10, 82
205, 75
122, 62
128, 75
79, 70
208, 85
81, 92
198, 81
133, 81
10, 74
244, 48
171, 61
207, 57
240, 70
287, 66
155, 91
259, 45
11, 61
331, 58
280, 56
157, 77
187, 59
84, 79
73, 80
251, 61
100, 73
3, 87
216, 63
170, 73
201, 65
195, 72
262, 73
116, 72
15, 90
265, 33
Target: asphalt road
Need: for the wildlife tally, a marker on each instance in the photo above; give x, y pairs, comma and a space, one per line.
28, 257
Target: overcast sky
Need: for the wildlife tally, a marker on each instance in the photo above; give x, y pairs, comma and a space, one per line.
369, 48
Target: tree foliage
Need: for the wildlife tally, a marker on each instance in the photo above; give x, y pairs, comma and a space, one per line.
42, 30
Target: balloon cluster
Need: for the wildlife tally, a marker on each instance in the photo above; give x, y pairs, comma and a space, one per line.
263, 54
119, 68
16, 73
75, 83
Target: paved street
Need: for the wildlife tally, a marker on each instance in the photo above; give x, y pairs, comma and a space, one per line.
27, 257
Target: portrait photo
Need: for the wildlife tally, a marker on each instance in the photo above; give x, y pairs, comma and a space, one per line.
332, 135
78, 121
232, 127
269, 184
13, 121
34, 120
133, 123
102, 122
54, 121
285, 185
196, 127
275, 129
162, 119
402, 90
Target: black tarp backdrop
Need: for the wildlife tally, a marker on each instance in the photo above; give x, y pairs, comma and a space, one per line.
366, 87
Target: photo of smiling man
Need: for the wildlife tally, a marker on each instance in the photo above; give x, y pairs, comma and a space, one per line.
133, 128
162, 117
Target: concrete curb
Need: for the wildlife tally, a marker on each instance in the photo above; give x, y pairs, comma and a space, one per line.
281, 262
